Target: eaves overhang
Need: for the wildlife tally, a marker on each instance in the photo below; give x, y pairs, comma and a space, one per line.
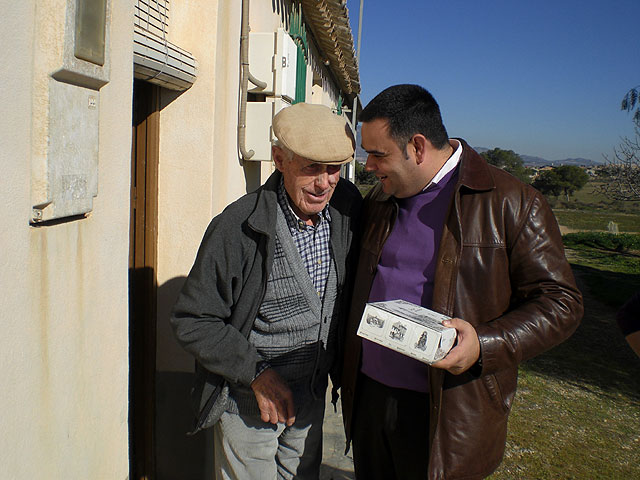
329, 24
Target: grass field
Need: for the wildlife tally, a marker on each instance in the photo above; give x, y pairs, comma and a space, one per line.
588, 209
597, 220
590, 199
577, 410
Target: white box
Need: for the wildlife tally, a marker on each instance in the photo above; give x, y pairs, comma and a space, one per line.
407, 328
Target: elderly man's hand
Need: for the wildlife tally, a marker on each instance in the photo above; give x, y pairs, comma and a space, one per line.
274, 397
466, 351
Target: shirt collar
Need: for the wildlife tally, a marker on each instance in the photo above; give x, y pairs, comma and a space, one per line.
449, 165
294, 222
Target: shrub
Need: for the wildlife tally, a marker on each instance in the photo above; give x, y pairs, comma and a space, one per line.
605, 241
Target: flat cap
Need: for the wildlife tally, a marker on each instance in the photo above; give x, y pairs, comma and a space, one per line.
314, 132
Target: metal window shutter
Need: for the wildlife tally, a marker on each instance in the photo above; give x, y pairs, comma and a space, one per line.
155, 59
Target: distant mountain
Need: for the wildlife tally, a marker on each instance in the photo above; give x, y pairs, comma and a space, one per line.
577, 161
531, 161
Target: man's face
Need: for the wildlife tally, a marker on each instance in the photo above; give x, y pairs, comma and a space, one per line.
395, 168
310, 185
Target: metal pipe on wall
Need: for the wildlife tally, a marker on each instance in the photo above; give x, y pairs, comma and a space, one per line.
245, 77
355, 98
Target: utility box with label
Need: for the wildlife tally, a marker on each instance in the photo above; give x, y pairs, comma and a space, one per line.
272, 59
259, 132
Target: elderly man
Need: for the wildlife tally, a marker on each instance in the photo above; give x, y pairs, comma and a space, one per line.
260, 309
445, 230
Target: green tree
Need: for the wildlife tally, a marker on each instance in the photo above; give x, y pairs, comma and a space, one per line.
509, 161
573, 178
364, 177
566, 179
549, 183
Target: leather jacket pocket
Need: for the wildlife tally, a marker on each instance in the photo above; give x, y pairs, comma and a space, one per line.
496, 394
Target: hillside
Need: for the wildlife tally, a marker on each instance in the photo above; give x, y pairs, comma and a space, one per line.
532, 161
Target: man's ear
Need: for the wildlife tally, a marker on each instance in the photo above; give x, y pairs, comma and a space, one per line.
278, 156
420, 146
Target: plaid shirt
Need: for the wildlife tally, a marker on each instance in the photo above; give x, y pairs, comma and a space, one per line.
312, 241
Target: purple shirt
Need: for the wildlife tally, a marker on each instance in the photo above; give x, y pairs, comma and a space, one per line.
406, 271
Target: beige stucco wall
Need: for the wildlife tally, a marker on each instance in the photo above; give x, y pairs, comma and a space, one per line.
263, 18
64, 343
200, 172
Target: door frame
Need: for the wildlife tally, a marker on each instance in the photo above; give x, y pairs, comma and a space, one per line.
143, 243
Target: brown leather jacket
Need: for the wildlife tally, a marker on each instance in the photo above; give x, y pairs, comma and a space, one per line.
501, 267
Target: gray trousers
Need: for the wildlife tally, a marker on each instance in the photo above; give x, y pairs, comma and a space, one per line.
246, 448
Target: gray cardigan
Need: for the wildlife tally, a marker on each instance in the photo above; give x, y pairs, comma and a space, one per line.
219, 301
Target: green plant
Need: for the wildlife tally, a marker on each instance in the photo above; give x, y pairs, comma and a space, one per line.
509, 161
607, 241
566, 179
363, 177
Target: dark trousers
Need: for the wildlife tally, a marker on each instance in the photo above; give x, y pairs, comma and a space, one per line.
390, 432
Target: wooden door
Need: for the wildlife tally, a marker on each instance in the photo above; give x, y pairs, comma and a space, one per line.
142, 279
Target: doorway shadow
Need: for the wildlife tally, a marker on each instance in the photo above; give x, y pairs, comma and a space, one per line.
178, 454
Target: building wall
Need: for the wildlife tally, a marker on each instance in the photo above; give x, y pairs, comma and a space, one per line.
64, 343
199, 172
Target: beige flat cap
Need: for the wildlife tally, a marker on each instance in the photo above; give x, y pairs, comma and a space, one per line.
315, 133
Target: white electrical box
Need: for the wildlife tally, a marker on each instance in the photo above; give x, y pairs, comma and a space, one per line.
262, 60
259, 133
273, 60
286, 64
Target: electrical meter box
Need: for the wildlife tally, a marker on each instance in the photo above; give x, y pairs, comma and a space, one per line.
259, 133
273, 60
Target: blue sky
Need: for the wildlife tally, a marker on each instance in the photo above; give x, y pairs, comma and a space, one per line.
542, 78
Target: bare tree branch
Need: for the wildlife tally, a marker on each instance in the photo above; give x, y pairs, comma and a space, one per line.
621, 174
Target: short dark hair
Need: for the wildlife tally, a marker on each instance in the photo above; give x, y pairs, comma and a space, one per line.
409, 109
